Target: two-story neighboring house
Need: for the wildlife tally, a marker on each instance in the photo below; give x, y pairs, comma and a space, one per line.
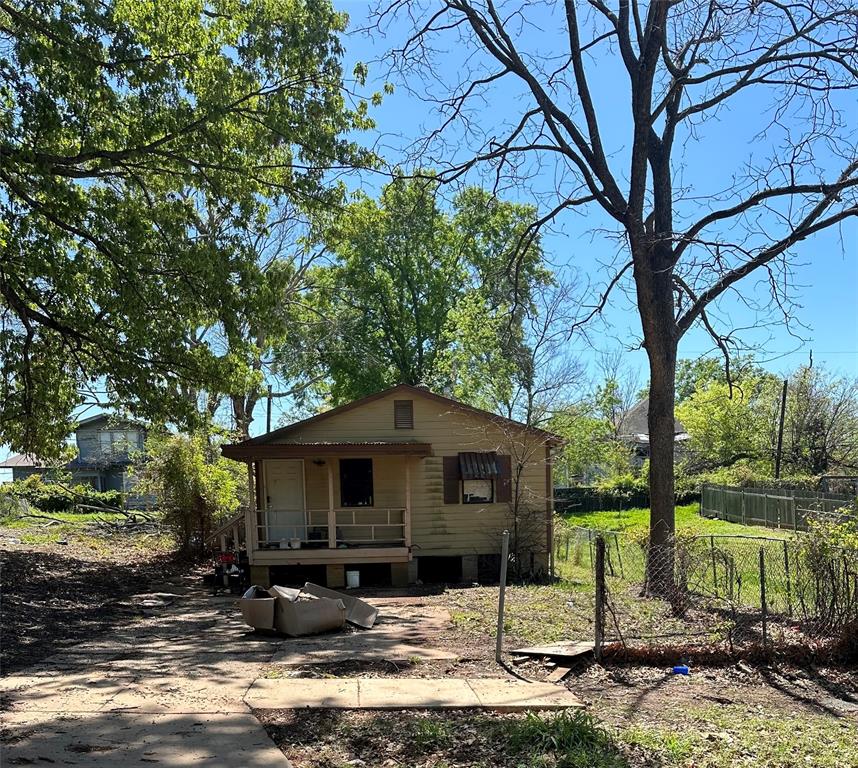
402, 485
105, 446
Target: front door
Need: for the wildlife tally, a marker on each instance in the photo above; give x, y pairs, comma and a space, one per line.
284, 487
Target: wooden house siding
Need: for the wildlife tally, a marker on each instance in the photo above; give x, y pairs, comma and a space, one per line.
436, 528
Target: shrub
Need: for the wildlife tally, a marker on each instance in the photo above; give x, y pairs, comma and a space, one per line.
195, 486
56, 497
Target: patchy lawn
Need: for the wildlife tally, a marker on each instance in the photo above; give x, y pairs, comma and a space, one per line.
688, 521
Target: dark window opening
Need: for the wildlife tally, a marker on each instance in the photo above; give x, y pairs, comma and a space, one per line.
403, 414
356, 482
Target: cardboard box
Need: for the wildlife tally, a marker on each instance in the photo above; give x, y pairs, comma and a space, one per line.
257, 608
297, 618
358, 612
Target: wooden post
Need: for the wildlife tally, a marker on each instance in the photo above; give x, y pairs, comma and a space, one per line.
250, 515
332, 515
599, 624
763, 607
406, 531
502, 595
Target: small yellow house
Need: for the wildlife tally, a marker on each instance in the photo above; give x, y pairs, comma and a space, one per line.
403, 485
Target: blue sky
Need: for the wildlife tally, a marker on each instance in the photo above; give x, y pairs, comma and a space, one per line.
824, 271
824, 268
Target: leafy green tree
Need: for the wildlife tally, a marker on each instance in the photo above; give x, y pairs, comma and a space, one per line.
591, 450
419, 295
195, 487
821, 424
728, 424
124, 124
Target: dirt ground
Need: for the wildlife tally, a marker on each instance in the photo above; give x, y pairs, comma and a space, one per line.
642, 716
55, 595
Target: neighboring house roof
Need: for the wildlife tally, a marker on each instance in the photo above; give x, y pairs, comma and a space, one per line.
21, 460
284, 432
108, 418
634, 423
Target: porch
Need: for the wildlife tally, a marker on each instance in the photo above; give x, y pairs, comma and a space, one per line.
330, 504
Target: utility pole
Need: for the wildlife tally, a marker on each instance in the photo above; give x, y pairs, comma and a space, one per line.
781, 431
268, 414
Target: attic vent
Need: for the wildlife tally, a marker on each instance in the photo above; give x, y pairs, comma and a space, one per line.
403, 414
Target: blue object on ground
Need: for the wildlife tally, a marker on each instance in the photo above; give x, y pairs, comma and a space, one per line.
681, 669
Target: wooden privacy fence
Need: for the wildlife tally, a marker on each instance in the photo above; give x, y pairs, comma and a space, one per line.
771, 507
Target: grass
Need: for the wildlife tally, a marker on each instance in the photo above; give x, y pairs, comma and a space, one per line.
674, 737
763, 737
688, 521
76, 528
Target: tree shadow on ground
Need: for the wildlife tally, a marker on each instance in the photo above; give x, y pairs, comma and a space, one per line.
51, 600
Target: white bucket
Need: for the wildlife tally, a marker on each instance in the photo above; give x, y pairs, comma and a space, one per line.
352, 579
284, 544
295, 543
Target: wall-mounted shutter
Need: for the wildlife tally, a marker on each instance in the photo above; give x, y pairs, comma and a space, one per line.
403, 414
451, 480
503, 490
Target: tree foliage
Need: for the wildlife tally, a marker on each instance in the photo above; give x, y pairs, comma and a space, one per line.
195, 487
421, 295
126, 126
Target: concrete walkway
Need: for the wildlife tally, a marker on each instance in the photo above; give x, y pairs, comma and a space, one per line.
494, 693
167, 689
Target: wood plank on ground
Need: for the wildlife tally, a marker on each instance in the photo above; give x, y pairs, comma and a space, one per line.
563, 650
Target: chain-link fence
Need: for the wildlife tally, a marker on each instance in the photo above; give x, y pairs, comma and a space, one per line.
713, 593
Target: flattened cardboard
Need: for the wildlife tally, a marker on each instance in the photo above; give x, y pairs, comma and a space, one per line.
358, 612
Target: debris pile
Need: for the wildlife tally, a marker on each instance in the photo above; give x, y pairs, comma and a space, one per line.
310, 610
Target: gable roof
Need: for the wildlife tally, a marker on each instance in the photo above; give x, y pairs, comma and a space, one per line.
635, 421
408, 389
22, 460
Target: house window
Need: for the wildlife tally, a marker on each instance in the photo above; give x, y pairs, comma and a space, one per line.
116, 442
477, 491
478, 472
356, 482
403, 414
477, 478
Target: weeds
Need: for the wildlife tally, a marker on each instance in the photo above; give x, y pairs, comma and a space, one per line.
569, 739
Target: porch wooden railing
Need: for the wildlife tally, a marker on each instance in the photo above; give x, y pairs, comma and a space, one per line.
356, 526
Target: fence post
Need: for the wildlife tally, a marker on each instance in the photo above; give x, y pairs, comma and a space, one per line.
763, 607
599, 622
568, 537
502, 595
714, 569
743, 506
788, 580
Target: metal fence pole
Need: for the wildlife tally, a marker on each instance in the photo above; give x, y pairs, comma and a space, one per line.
502, 595
714, 568
599, 623
788, 579
763, 607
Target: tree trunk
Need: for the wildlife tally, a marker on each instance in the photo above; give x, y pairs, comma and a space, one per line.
653, 277
661, 481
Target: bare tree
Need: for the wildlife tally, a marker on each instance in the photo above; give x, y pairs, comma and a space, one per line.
680, 64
